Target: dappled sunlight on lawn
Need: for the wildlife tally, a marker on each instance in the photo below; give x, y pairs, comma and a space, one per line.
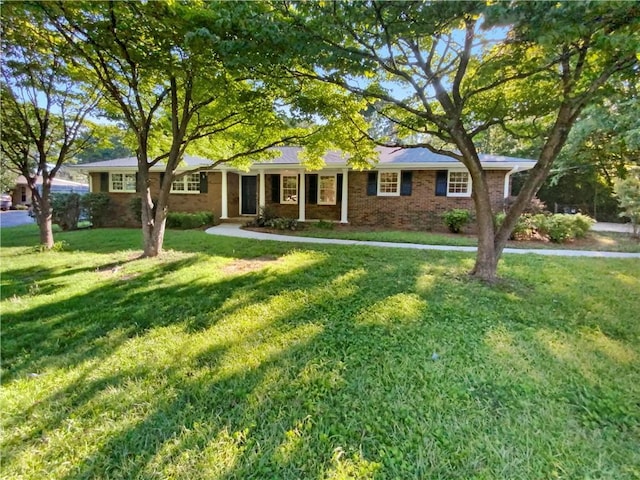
394, 311
273, 361
512, 355
582, 348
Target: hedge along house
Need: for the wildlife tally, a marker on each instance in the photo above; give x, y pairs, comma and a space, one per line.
407, 188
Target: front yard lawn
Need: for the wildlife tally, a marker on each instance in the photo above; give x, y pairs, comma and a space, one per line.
236, 359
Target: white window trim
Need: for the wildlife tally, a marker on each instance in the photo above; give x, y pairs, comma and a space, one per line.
390, 194
469, 183
282, 200
184, 181
111, 189
335, 188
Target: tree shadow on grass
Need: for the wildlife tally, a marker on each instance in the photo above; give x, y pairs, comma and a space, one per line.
286, 373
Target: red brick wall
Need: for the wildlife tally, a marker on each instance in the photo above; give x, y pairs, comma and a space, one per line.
119, 210
421, 210
312, 211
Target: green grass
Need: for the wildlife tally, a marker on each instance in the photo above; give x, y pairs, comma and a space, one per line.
236, 359
600, 241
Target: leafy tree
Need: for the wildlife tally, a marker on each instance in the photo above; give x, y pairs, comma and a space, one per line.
175, 75
43, 109
628, 192
445, 73
106, 143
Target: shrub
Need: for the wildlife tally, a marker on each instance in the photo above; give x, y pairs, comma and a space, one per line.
66, 210
524, 228
265, 216
562, 227
96, 207
281, 223
186, 221
582, 224
456, 219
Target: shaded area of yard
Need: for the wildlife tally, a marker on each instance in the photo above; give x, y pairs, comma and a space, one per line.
234, 359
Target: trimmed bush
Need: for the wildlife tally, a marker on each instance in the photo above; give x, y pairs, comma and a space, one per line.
96, 208
282, 223
66, 210
562, 227
456, 219
187, 221
524, 228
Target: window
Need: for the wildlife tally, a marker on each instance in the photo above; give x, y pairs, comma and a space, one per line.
122, 182
459, 184
327, 189
389, 183
289, 189
190, 183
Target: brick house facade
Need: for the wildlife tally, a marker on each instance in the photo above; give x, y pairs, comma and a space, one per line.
406, 190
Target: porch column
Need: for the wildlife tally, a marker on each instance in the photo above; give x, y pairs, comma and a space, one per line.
261, 195
344, 207
225, 210
301, 199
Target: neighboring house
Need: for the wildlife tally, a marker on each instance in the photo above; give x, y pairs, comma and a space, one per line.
22, 194
407, 188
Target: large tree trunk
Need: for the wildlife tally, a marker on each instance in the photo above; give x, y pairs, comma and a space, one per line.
43, 214
487, 257
154, 215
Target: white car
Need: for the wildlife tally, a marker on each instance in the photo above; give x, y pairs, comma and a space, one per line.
6, 202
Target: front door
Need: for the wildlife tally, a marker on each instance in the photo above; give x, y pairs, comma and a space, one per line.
249, 194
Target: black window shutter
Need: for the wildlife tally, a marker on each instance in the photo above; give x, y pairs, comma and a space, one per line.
441, 183
104, 181
204, 182
275, 188
372, 183
405, 184
137, 183
161, 179
313, 189
339, 187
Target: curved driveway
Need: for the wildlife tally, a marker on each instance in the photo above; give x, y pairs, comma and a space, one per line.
234, 230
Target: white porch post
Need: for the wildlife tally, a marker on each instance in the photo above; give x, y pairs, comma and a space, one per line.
261, 196
225, 210
344, 207
301, 199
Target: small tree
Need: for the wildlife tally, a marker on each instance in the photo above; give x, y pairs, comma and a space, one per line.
43, 110
628, 193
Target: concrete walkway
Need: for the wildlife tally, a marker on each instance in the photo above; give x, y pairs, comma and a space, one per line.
612, 227
234, 230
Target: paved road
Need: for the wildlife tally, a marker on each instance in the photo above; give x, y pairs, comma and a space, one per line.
13, 218
234, 230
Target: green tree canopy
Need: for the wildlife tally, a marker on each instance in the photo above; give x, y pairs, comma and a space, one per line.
175, 74
443, 74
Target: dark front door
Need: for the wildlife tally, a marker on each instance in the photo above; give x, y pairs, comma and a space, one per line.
249, 189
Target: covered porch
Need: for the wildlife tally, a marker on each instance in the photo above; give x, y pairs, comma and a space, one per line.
291, 192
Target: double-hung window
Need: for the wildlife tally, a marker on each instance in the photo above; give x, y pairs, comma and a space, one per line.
289, 189
459, 183
189, 183
389, 183
122, 182
327, 189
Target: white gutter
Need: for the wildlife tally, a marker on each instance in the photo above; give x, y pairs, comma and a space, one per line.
507, 177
